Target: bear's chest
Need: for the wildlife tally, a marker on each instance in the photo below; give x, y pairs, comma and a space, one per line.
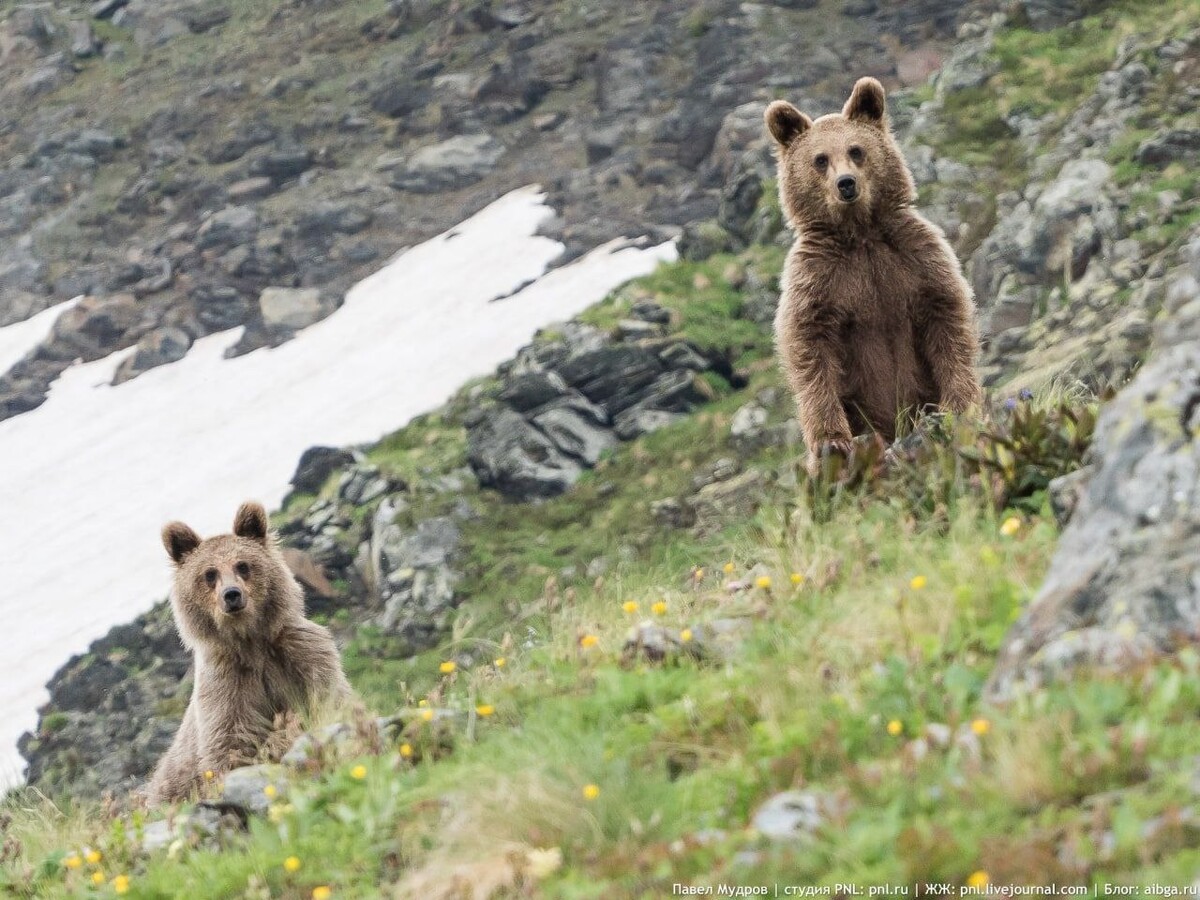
873, 286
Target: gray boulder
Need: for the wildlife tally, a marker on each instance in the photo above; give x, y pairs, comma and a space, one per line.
792, 815
614, 375
511, 455
362, 484
316, 465
293, 308
639, 420
1123, 586
283, 163
1176, 145
531, 389
415, 579
453, 163
228, 227
83, 39
1044, 15
245, 790
577, 429
162, 345
1035, 241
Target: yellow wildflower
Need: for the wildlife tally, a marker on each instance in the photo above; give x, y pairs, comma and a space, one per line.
1011, 526
978, 880
763, 582
406, 751
485, 709
918, 582
981, 726
92, 857
321, 893
797, 579
291, 864
359, 772
121, 884
591, 791
894, 727
630, 606
699, 574
427, 715
588, 640
73, 861
447, 667
270, 791
685, 635
98, 878
659, 608
499, 662
209, 774
728, 568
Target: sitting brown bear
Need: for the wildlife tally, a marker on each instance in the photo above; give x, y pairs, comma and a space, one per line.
258, 661
875, 320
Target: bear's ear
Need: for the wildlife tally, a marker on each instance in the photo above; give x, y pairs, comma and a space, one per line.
867, 103
179, 540
785, 122
251, 522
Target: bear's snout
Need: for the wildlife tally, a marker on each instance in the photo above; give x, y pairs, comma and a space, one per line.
234, 599
847, 187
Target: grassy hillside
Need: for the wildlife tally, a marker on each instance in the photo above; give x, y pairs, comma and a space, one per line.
835, 643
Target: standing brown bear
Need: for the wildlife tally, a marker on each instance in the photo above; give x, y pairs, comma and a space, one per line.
258, 661
875, 320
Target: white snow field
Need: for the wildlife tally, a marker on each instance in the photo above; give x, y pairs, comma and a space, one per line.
88, 479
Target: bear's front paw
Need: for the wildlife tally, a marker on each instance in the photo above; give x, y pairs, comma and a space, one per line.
828, 451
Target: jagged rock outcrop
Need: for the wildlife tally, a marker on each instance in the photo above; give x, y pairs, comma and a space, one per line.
563, 403
1123, 586
112, 711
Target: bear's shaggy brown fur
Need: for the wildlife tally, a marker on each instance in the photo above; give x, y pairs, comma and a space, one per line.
875, 320
258, 661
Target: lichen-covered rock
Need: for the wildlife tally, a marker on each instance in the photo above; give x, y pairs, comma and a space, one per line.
293, 308
511, 455
162, 345
454, 163
1123, 586
246, 789
414, 577
793, 815
112, 711
1174, 145
316, 465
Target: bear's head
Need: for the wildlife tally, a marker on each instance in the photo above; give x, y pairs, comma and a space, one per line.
233, 586
843, 171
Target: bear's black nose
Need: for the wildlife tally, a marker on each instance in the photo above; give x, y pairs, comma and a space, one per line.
233, 599
847, 187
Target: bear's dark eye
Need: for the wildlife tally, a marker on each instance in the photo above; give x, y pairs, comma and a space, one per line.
242, 569
856, 154
210, 576
821, 162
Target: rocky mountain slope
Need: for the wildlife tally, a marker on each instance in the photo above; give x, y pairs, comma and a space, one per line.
197, 165
624, 643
